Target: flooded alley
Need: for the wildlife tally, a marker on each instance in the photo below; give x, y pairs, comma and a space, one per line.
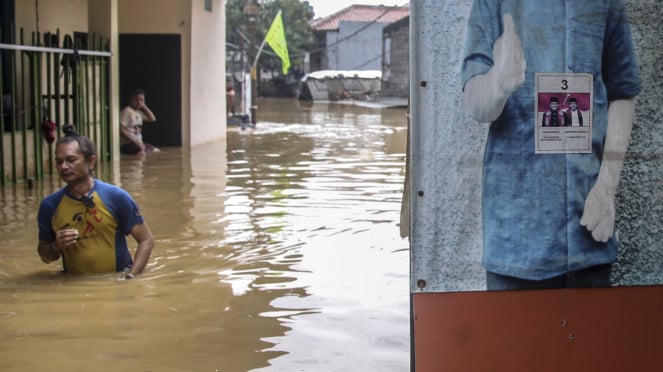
277, 250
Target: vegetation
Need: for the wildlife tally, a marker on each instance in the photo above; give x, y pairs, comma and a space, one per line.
296, 16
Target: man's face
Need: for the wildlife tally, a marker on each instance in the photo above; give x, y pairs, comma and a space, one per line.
573, 106
71, 164
553, 105
137, 101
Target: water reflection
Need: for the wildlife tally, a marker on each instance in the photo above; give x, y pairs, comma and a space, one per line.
277, 250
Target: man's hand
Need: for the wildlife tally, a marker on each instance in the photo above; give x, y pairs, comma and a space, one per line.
510, 62
484, 96
599, 213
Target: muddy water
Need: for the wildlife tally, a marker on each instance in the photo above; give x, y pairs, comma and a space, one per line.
276, 251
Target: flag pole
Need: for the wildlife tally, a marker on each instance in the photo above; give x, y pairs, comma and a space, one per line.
264, 41
255, 62
262, 45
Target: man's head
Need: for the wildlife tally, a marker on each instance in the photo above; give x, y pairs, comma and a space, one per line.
554, 103
75, 156
573, 104
137, 99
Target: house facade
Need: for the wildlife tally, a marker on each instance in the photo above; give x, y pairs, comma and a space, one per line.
396, 59
173, 49
351, 39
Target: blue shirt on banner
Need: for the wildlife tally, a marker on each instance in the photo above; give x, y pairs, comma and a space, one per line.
532, 204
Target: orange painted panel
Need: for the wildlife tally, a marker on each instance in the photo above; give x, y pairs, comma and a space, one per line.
606, 329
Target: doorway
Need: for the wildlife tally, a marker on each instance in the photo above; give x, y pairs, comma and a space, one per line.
152, 62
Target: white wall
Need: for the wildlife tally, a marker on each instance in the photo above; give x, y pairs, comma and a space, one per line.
207, 76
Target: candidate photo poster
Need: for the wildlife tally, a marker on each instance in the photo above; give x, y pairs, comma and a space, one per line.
563, 108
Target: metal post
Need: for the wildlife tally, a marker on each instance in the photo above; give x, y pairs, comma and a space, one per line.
254, 86
251, 13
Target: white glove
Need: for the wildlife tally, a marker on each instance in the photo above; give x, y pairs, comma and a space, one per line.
599, 213
509, 58
484, 95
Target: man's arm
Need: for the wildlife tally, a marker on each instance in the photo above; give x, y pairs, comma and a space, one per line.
48, 251
128, 134
599, 213
51, 251
484, 96
149, 115
143, 236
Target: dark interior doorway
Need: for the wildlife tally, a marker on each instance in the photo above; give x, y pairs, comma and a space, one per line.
6, 24
152, 62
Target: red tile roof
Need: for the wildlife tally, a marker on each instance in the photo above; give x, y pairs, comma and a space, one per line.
361, 13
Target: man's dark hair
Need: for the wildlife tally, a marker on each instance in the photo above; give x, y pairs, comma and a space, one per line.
136, 92
84, 144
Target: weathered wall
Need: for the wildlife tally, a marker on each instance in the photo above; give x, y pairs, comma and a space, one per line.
360, 47
640, 195
50, 15
446, 154
396, 83
207, 97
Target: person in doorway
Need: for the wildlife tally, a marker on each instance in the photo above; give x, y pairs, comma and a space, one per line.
548, 219
230, 97
86, 223
132, 118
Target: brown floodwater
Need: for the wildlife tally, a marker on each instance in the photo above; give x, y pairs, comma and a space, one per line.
277, 250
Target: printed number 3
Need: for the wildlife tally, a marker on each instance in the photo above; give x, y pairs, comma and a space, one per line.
565, 84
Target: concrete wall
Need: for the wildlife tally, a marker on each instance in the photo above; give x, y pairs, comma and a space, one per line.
66, 15
396, 83
207, 77
358, 49
361, 48
329, 60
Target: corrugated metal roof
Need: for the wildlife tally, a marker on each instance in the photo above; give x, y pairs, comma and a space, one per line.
361, 13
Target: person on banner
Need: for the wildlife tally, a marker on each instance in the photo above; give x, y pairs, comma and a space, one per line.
548, 219
554, 117
132, 118
573, 114
86, 222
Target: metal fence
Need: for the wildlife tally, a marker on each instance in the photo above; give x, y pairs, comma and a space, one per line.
45, 85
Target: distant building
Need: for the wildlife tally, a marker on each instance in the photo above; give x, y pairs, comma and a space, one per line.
396, 59
351, 39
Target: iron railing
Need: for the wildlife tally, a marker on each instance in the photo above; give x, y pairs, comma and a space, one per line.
51, 82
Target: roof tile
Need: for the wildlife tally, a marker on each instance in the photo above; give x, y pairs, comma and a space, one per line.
361, 13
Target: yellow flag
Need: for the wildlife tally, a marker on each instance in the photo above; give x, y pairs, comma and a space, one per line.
276, 39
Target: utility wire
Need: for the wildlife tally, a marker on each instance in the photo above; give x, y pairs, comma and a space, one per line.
337, 42
393, 7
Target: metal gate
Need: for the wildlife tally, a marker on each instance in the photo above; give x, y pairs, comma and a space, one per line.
51, 82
